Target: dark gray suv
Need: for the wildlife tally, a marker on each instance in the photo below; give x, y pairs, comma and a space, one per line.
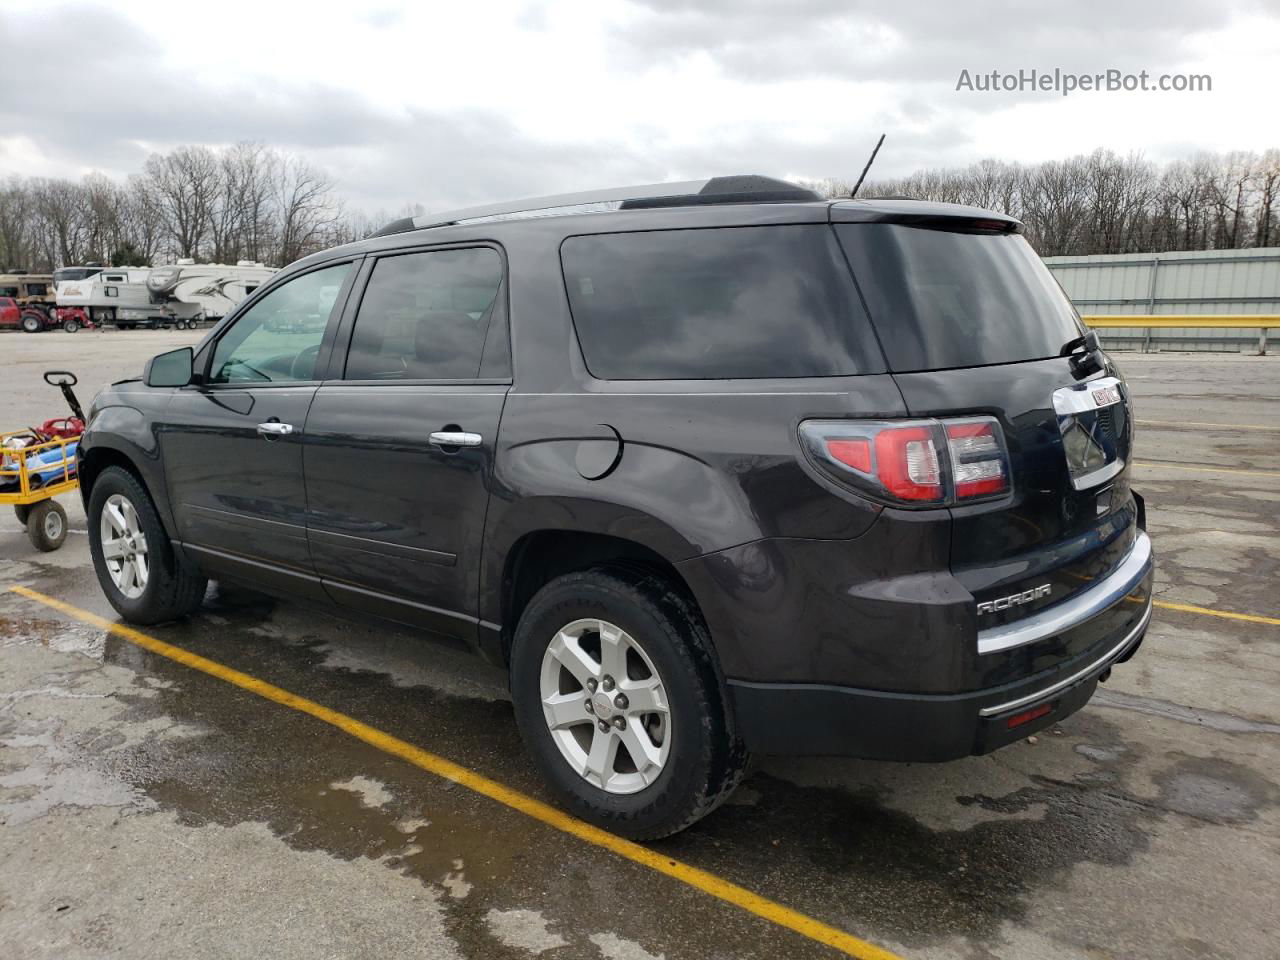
711, 467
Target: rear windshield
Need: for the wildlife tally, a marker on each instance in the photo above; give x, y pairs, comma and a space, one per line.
719, 303
941, 299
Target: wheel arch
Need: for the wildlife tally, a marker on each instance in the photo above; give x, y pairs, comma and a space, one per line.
539, 556
97, 452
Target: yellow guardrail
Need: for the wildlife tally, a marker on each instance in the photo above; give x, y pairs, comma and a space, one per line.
1251, 321
1233, 320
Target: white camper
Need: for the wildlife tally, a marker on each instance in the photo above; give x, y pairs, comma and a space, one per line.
213, 288
120, 296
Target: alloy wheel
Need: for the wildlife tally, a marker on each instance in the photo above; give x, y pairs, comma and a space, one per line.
605, 706
124, 546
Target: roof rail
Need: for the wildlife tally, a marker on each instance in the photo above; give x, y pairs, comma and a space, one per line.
735, 189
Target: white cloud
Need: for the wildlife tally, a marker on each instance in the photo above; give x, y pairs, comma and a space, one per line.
443, 103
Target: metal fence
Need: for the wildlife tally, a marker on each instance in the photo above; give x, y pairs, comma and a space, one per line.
1193, 283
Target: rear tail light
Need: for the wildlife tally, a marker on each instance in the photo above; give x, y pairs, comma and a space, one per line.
913, 462
907, 463
977, 458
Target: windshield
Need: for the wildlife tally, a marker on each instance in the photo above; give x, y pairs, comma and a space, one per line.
940, 300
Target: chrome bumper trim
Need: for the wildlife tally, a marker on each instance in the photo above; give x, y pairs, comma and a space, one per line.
1083, 606
1096, 667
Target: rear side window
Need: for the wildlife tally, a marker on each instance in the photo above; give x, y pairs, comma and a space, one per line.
720, 303
940, 299
431, 316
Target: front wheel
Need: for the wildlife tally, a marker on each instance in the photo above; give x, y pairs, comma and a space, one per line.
70, 326
619, 701
141, 575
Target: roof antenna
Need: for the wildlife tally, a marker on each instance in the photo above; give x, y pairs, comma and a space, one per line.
854, 192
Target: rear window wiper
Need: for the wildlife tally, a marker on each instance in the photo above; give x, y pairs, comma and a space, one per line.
1084, 353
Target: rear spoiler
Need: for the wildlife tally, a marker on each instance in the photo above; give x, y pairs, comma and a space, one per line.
926, 214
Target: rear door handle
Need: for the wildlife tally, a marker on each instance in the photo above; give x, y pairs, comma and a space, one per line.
456, 438
274, 428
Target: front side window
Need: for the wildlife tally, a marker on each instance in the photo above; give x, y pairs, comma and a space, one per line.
430, 316
278, 339
719, 303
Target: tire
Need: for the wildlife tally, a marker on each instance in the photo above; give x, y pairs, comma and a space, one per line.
22, 511
31, 323
704, 759
180, 325
70, 326
170, 588
47, 525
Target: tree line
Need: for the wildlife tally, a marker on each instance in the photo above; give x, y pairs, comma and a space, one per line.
253, 202
244, 202
1105, 203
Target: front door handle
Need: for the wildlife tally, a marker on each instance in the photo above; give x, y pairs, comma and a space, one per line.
274, 428
456, 438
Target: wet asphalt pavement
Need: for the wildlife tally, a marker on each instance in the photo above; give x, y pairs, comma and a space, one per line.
150, 810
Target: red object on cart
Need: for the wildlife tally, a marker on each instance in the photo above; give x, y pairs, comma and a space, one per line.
62, 428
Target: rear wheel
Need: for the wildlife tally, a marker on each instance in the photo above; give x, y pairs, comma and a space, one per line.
138, 569
180, 325
619, 701
32, 323
21, 511
47, 525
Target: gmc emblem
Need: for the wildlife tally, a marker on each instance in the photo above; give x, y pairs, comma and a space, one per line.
1026, 596
1105, 396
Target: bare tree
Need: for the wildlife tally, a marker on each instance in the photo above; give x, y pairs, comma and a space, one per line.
306, 207
15, 225
186, 184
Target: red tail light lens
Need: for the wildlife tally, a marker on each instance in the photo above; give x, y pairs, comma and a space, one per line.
852, 452
913, 462
908, 463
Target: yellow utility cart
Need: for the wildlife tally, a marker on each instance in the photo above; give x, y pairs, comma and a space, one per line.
39, 463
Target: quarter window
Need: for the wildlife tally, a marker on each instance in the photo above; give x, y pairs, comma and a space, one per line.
721, 303
278, 339
431, 316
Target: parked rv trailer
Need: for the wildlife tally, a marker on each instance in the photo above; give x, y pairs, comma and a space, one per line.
214, 288
118, 296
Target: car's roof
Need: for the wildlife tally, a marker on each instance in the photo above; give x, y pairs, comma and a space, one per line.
719, 202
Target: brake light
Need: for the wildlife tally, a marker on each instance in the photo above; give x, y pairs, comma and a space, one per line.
908, 463
854, 452
913, 462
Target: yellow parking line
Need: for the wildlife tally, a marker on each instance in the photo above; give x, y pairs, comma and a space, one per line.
1179, 466
1209, 612
1203, 423
708, 883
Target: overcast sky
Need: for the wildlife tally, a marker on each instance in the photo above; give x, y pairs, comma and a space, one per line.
452, 103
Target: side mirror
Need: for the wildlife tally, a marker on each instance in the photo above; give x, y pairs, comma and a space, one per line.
172, 369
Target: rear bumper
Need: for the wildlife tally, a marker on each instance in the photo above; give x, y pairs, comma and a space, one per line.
818, 720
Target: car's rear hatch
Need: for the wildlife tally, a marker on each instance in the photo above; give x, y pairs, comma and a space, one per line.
972, 323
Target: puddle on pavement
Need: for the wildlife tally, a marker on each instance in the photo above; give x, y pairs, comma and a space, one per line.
843, 856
